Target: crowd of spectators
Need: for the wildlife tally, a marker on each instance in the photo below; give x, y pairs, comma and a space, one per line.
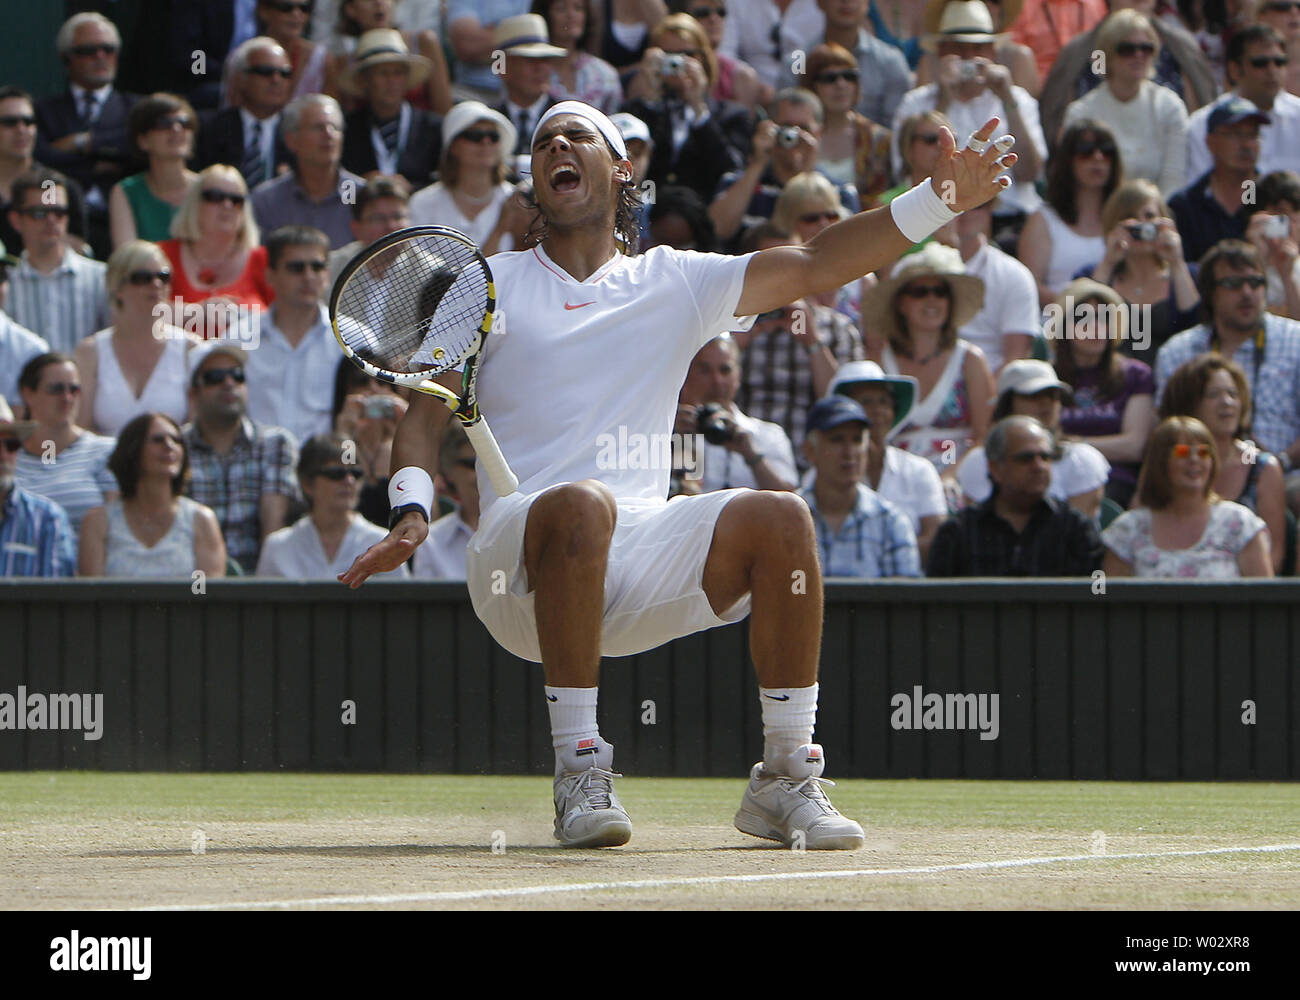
1098, 369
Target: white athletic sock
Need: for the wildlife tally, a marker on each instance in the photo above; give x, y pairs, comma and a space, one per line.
789, 715
573, 717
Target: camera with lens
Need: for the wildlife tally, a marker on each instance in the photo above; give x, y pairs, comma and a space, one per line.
1144, 232
713, 423
380, 408
673, 63
967, 70
787, 137
1276, 227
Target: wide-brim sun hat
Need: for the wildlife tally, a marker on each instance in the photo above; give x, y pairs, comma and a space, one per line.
378, 47
526, 35
934, 260
466, 113
963, 21
901, 387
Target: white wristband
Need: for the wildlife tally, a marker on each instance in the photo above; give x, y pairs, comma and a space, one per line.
919, 212
411, 485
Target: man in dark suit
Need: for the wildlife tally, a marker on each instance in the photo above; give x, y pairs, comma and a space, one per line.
529, 58
247, 135
386, 135
83, 132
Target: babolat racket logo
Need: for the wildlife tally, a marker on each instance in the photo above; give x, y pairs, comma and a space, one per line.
586, 747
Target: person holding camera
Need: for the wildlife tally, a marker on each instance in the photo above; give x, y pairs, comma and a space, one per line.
732, 449
1273, 228
1144, 263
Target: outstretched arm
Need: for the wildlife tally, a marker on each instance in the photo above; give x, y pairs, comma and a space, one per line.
864, 242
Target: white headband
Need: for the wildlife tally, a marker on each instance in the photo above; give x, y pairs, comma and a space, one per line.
594, 115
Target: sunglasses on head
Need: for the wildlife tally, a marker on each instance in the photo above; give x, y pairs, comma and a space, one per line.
1089, 146
1184, 450
270, 71
480, 135
700, 13
12, 121
10, 445
217, 376
835, 75
922, 291
1234, 283
214, 197
45, 212
809, 218
149, 277
171, 122
300, 266
338, 473
59, 388
1262, 62
86, 51
1133, 48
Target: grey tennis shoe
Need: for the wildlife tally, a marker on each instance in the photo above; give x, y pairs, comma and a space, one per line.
587, 810
785, 802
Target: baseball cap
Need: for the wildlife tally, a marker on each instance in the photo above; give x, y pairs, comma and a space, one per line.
1235, 109
632, 127
1028, 378
835, 410
203, 351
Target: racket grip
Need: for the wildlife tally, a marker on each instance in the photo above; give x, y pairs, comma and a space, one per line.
489, 453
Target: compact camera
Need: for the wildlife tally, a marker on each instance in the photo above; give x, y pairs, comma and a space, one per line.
673, 63
712, 422
1144, 232
967, 70
1276, 227
380, 408
787, 137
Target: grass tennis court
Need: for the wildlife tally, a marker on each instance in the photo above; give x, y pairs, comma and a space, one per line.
82, 840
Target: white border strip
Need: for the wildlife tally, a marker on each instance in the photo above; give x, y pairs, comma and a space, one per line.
520, 892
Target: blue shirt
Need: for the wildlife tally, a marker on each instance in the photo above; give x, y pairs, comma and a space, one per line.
488, 13
35, 537
875, 540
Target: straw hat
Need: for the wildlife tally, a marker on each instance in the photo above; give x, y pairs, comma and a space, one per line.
963, 21
378, 47
932, 260
526, 35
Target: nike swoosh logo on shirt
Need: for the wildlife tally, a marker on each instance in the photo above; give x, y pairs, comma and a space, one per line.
569, 306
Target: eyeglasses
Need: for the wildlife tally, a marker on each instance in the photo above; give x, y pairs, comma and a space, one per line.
86, 51
700, 13
300, 266
218, 376
1029, 457
214, 197
811, 218
288, 7
477, 135
59, 388
929, 138
172, 122
1183, 450
1233, 284
13, 121
10, 445
149, 277
922, 291
338, 473
835, 75
1127, 49
1090, 146
1262, 62
270, 71
45, 212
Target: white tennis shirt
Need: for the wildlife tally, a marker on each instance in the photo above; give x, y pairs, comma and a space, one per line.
579, 379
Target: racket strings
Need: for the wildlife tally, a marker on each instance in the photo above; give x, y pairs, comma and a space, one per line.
415, 306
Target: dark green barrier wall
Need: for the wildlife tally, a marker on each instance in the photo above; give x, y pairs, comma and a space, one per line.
1145, 681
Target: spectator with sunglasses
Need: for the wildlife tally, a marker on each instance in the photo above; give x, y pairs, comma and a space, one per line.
17, 145
35, 539
138, 364
1256, 62
286, 21
153, 530
143, 205
54, 291
1149, 121
60, 460
214, 254
291, 373
1182, 529
323, 543
442, 556
1283, 16
83, 131
736, 80
854, 149
248, 134
918, 144
243, 470
807, 205
382, 207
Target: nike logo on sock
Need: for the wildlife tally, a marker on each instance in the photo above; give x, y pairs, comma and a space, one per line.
777, 697
551, 697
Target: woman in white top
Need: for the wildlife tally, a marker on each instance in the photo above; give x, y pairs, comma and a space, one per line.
61, 461
476, 146
323, 542
1065, 235
153, 531
1149, 121
137, 365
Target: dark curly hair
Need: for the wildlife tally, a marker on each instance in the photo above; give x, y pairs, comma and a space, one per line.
626, 215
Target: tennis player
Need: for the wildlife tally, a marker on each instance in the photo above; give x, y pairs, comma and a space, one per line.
580, 383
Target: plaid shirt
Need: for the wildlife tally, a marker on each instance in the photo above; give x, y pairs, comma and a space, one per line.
261, 461
1057, 541
35, 537
63, 307
776, 381
875, 540
1274, 378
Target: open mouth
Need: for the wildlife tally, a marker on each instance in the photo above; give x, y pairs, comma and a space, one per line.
564, 177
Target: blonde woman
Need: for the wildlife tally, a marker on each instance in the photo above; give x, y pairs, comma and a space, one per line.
808, 204
137, 365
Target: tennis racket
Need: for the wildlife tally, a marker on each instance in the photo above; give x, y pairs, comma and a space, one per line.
415, 304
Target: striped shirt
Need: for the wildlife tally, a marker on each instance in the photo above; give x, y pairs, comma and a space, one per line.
261, 461
35, 538
875, 540
76, 479
64, 306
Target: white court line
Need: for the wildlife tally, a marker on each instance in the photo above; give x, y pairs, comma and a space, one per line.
666, 883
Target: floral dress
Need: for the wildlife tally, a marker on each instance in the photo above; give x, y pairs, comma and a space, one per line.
1214, 557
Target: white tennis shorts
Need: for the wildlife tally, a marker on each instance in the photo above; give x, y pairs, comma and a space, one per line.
653, 581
